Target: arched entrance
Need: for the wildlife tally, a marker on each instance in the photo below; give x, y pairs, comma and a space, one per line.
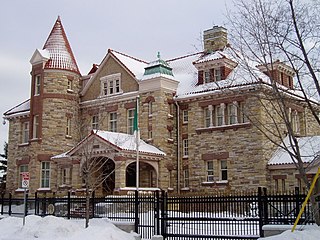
148, 175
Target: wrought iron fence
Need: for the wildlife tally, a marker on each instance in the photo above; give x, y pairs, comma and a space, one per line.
237, 216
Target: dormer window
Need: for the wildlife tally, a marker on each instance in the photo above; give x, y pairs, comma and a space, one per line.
111, 84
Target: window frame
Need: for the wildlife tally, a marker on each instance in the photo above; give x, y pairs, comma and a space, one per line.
68, 127
223, 170
232, 113
111, 85
217, 74
186, 178
95, 122
210, 171
130, 120
113, 118
25, 132
185, 147
219, 115
185, 116
45, 174
37, 85
35, 127
150, 108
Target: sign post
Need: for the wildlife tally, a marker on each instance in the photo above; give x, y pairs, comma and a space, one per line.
25, 185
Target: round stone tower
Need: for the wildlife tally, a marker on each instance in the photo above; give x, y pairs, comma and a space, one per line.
54, 101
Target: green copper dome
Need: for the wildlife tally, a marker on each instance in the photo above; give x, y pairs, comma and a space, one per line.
158, 67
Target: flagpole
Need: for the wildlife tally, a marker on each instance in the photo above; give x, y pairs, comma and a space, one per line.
137, 141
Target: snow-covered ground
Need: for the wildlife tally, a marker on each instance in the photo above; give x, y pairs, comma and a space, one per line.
307, 233
53, 228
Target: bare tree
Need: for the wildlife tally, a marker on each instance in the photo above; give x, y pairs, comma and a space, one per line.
267, 33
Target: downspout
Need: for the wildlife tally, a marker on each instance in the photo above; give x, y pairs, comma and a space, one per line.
178, 146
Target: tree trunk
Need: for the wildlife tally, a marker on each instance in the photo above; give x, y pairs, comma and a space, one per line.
87, 206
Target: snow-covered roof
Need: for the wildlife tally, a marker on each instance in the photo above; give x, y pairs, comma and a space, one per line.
61, 55
19, 110
128, 142
122, 141
309, 149
136, 66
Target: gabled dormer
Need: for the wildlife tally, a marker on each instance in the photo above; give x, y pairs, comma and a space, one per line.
279, 72
214, 65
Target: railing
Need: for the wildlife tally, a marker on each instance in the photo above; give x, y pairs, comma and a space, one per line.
237, 216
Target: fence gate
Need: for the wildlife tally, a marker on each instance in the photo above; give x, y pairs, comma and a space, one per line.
208, 217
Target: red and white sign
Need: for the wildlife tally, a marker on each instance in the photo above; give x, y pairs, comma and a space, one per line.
25, 179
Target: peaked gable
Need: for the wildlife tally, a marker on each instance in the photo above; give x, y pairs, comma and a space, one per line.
114, 62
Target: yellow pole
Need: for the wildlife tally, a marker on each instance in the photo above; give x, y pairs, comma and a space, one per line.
306, 200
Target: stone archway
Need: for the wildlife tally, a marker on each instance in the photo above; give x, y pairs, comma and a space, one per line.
148, 175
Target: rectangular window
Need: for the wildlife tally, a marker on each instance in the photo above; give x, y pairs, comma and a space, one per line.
219, 115
105, 88
242, 113
232, 113
22, 169
185, 150
37, 85
186, 178
130, 123
210, 171
295, 121
150, 133
207, 117
207, 76
68, 127
111, 87
150, 108
35, 133
65, 176
217, 74
45, 175
70, 85
25, 132
111, 84
113, 122
185, 116
95, 122
223, 170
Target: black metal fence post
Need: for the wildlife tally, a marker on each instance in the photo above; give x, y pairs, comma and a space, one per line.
157, 212
69, 205
10, 203
136, 211
36, 204
265, 206
2, 203
260, 209
93, 203
164, 197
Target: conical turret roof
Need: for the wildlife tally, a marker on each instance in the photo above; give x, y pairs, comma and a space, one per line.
57, 44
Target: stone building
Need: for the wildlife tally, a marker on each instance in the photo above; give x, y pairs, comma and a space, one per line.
198, 116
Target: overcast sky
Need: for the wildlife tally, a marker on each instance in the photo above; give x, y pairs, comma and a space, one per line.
139, 28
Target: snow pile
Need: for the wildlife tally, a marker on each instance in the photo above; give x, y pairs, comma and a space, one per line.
53, 228
309, 233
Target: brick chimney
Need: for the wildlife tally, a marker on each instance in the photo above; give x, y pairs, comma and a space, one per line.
215, 39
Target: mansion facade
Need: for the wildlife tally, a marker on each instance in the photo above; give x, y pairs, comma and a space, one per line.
198, 118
